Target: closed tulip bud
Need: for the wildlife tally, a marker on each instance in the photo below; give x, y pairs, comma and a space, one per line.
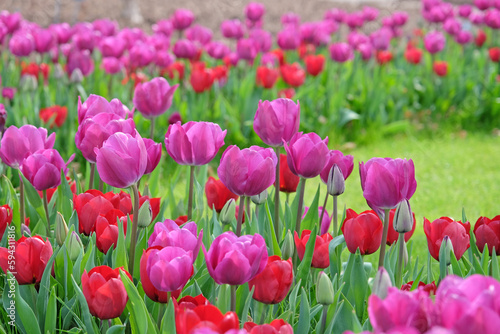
336, 183
75, 246
145, 215
76, 76
28, 83
445, 250
324, 289
61, 229
403, 218
260, 198
381, 283
288, 248
228, 212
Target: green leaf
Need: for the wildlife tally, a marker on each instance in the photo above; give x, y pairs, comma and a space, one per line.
116, 329
359, 285
51, 313
44, 290
311, 218
224, 298
246, 307
304, 322
120, 258
168, 320
345, 319
26, 314
13, 202
305, 265
87, 317
275, 246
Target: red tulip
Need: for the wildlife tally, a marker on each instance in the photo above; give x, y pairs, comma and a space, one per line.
430, 288
286, 93
175, 70
181, 220
189, 302
364, 232
217, 194
123, 202
314, 64
306, 49
277, 326
288, 180
273, 284
494, 54
31, 256
204, 316
321, 258
383, 57
55, 115
293, 74
106, 228
104, 291
458, 232
35, 70
280, 55
201, 78
392, 235
89, 206
266, 76
480, 38
440, 68
413, 56
487, 232
220, 74
5, 218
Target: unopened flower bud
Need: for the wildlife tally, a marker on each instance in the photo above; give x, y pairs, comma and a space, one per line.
403, 218
260, 198
228, 211
445, 250
145, 215
336, 183
74, 246
174, 118
61, 229
76, 76
25, 230
58, 71
288, 246
28, 83
381, 283
324, 290
3, 119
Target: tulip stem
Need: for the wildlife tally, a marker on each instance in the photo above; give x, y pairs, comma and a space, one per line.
399, 270
161, 311
233, 298
152, 129
277, 196
191, 186
101, 185
240, 215
247, 207
384, 238
323, 319
21, 198
323, 211
133, 238
46, 207
301, 204
335, 216
92, 173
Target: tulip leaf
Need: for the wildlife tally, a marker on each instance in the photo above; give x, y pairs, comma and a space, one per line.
455, 266
142, 244
51, 313
13, 201
485, 259
311, 219
24, 311
168, 320
120, 258
495, 271
335, 254
44, 290
246, 307
305, 265
430, 277
304, 322
223, 298
116, 329
275, 246
359, 285
345, 319
292, 305
241, 296
34, 199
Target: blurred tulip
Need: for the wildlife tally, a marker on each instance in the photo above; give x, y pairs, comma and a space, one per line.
314, 64
188, 320
434, 42
341, 52
201, 78
277, 326
480, 38
246, 49
55, 115
182, 19
288, 38
440, 68
254, 11
494, 53
384, 57
293, 74
321, 258
266, 76
217, 50
184, 49
458, 232
200, 34
21, 44
232, 29
413, 56
429, 288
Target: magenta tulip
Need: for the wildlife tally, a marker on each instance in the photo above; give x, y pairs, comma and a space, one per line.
185, 49
170, 268
381, 39
217, 50
169, 234
236, 260
11, 20
62, 32
246, 49
344, 162
111, 65
153, 98
154, 154
43, 169
44, 40
182, 19
434, 42
277, 121
164, 27
112, 47
306, 154
200, 34
254, 11
325, 222
122, 159
341, 52
194, 143
96, 104
21, 44
289, 38
80, 60
232, 29
17, 144
262, 39
386, 182
247, 172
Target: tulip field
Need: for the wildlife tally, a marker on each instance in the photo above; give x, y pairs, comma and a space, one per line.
168, 180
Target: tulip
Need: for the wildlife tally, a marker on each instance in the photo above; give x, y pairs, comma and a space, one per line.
266, 77
21, 44
463, 37
325, 219
321, 258
289, 38
487, 232
382, 283
464, 10
31, 257
392, 235
154, 97
217, 194
341, 52
458, 232
8, 92
306, 154
429, 288
246, 49
112, 47
154, 154
106, 228
383, 57
366, 51
254, 11
168, 234
480, 38
314, 64
174, 118
494, 53
277, 121
288, 180
363, 232
262, 40
81, 61
434, 42
200, 34
324, 290
188, 320
88, 207
182, 19
141, 55
122, 202
104, 291
440, 68
12, 21
185, 49
55, 115
44, 39
43, 169
181, 220
170, 268
232, 29
96, 104
201, 78
274, 282
217, 50
3, 119
164, 27
293, 74
278, 326
413, 56
5, 218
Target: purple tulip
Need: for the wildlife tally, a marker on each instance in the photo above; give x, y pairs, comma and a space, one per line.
105, 26
344, 162
464, 11
232, 29
277, 121
381, 38
366, 51
112, 47
169, 234
247, 172
62, 31
307, 30
356, 38
289, 38
96, 104
170, 268
306, 154
8, 92
290, 19
386, 182
182, 19
43, 169
92, 132
11, 21
174, 118
236, 260
184, 48
154, 97
200, 34
122, 159
341, 52
325, 222
154, 154
269, 59
336, 15
492, 19
254, 11
80, 60
369, 13
22, 44
3, 119
44, 40
217, 50
354, 20
194, 143
399, 18
463, 37
164, 27
17, 144
3, 32
434, 42
246, 49
141, 55
323, 32
476, 18
263, 39
111, 65
452, 26
164, 59
482, 4
85, 39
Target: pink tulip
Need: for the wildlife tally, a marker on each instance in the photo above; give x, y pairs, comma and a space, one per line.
164, 27
400, 18
236, 260
164, 58
11, 20
182, 19
43, 169
44, 40
289, 38
276, 121
111, 65
80, 60
434, 42
482, 4
341, 52
170, 268
21, 44
464, 11
356, 38
463, 37
106, 27
141, 55
62, 32
154, 154
366, 51
246, 49
17, 144
3, 119
232, 29
492, 18
254, 11
200, 34
452, 26
336, 15
344, 162
8, 92
381, 38
194, 143
185, 49
306, 154
247, 172
263, 40
96, 104
153, 98
369, 13
169, 234
217, 50
112, 47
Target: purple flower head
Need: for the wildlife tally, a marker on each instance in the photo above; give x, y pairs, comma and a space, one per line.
169, 233
277, 121
170, 268
306, 154
153, 98
43, 169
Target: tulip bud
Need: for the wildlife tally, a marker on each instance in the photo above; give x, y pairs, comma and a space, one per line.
145, 215
287, 249
76, 76
28, 83
25, 230
381, 283
260, 198
324, 289
445, 250
403, 218
228, 212
336, 183
74, 246
58, 71
61, 229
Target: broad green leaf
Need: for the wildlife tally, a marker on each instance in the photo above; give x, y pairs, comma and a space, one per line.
168, 320
51, 313
304, 322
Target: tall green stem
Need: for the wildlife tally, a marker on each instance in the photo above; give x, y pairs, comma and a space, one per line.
46, 207
247, 208
233, 298
277, 196
21, 198
323, 319
92, 173
335, 216
384, 238
323, 211
240, 215
302, 186
152, 128
133, 239
399, 270
191, 186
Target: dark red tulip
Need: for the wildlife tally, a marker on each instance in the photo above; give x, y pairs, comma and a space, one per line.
392, 235
204, 316
494, 54
190, 302
106, 229
123, 202
152, 292
487, 232
314, 64
55, 115
321, 258
413, 56
306, 49
458, 232
104, 291
217, 194
31, 256
273, 284
175, 70
89, 205
440, 68
280, 55
5, 218
266, 76
201, 78
288, 180
430, 288
480, 38
364, 232
293, 74
277, 326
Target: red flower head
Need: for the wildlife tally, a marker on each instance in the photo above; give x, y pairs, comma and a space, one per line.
288, 180
458, 232
383, 57
220, 74
363, 231
5, 218
293, 74
106, 228
487, 232
266, 76
306, 49
413, 56
217, 194
494, 54
286, 93
440, 68
191, 302
314, 64
430, 288
55, 115
204, 316
201, 78
321, 258
89, 206
181, 220
279, 54
277, 326
273, 284
175, 70
480, 38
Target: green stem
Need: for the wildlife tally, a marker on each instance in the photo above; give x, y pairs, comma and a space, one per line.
240, 215
191, 186
323, 211
247, 207
335, 216
161, 311
152, 128
92, 173
384, 238
263, 313
302, 186
277, 196
399, 270
46, 207
133, 239
21, 198
323, 319
233, 298
101, 185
